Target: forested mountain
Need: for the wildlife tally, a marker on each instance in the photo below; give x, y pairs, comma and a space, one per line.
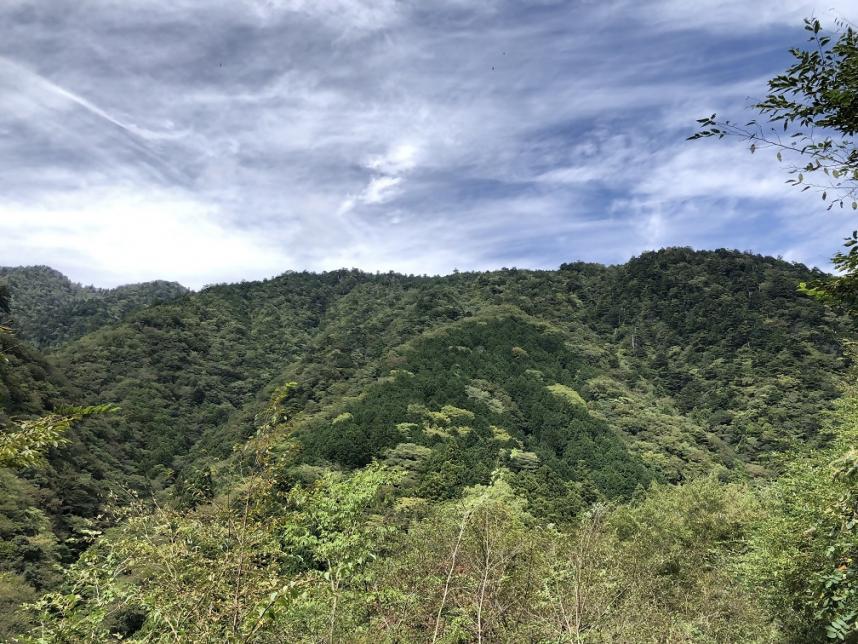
49, 309
559, 390
719, 347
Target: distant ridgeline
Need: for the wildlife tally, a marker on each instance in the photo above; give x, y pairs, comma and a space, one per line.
587, 383
48, 309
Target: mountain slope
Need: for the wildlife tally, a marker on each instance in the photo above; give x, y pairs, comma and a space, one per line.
727, 337
696, 357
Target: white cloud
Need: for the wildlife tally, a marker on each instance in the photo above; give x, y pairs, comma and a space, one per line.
379, 190
738, 15
713, 169
121, 236
349, 16
400, 158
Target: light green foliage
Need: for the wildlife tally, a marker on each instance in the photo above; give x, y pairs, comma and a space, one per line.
450, 415
240, 569
567, 393
802, 558
480, 390
671, 443
657, 571
468, 572
443, 423
406, 428
24, 443
521, 460
331, 526
500, 434
485, 569
409, 457
205, 576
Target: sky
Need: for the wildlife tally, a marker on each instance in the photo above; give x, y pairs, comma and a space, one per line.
214, 141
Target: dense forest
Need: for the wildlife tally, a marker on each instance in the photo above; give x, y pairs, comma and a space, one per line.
640, 452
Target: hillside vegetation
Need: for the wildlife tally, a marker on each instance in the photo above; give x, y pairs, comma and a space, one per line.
511, 456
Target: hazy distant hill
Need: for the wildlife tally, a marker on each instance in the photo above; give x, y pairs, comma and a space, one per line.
48, 309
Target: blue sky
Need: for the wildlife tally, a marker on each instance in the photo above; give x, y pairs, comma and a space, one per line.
218, 141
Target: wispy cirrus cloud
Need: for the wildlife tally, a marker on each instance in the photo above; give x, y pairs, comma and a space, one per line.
219, 141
